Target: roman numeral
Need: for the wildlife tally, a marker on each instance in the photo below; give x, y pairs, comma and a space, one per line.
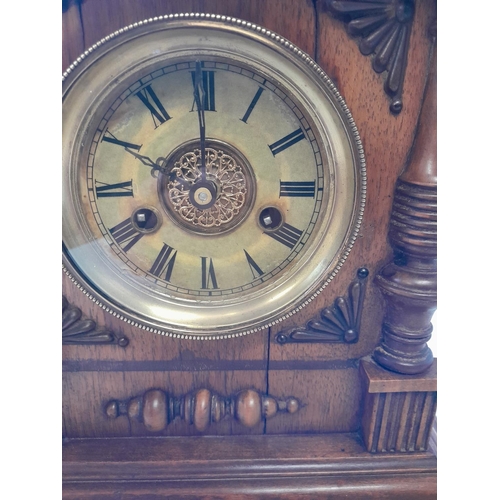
252, 104
126, 233
208, 279
287, 235
208, 82
156, 108
164, 263
113, 190
109, 137
254, 268
297, 189
286, 142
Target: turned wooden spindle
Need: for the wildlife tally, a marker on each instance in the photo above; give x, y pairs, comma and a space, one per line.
156, 408
409, 283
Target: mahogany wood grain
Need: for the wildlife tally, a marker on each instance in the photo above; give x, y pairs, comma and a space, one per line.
293, 20
380, 380
73, 43
324, 466
348, 487
330, 400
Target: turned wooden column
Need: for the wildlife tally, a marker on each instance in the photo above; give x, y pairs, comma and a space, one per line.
409, 281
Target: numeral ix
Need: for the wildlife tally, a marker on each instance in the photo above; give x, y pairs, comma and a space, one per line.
208, 82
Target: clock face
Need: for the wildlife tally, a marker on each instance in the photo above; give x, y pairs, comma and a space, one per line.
213, 177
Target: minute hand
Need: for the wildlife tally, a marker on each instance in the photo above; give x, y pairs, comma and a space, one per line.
199, 97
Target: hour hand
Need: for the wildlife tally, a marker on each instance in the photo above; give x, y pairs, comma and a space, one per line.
146, 160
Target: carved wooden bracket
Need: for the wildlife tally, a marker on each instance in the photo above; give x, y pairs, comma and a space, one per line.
384, 28
156, 408
339, 323
76, 330
409, 282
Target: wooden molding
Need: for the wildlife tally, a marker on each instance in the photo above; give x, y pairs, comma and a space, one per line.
261, 467
84, 331
156, 408
339, 323
384, 29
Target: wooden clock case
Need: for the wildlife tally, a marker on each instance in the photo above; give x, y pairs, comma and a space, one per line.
339, 399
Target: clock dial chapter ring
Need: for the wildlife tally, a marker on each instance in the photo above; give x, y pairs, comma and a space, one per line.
191, 201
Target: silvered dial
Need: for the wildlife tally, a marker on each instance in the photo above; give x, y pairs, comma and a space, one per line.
211, 194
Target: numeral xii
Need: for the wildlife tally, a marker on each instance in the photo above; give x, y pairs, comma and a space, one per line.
208, 82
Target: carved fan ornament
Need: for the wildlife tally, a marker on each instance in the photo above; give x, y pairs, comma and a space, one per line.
339, 323
384, 28
84, 331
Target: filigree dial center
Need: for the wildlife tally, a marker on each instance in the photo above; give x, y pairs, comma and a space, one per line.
215, 205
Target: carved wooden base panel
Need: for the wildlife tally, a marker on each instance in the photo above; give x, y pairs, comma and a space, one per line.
398, 410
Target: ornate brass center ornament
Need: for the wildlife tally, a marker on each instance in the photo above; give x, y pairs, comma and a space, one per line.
198, 210
213, 177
